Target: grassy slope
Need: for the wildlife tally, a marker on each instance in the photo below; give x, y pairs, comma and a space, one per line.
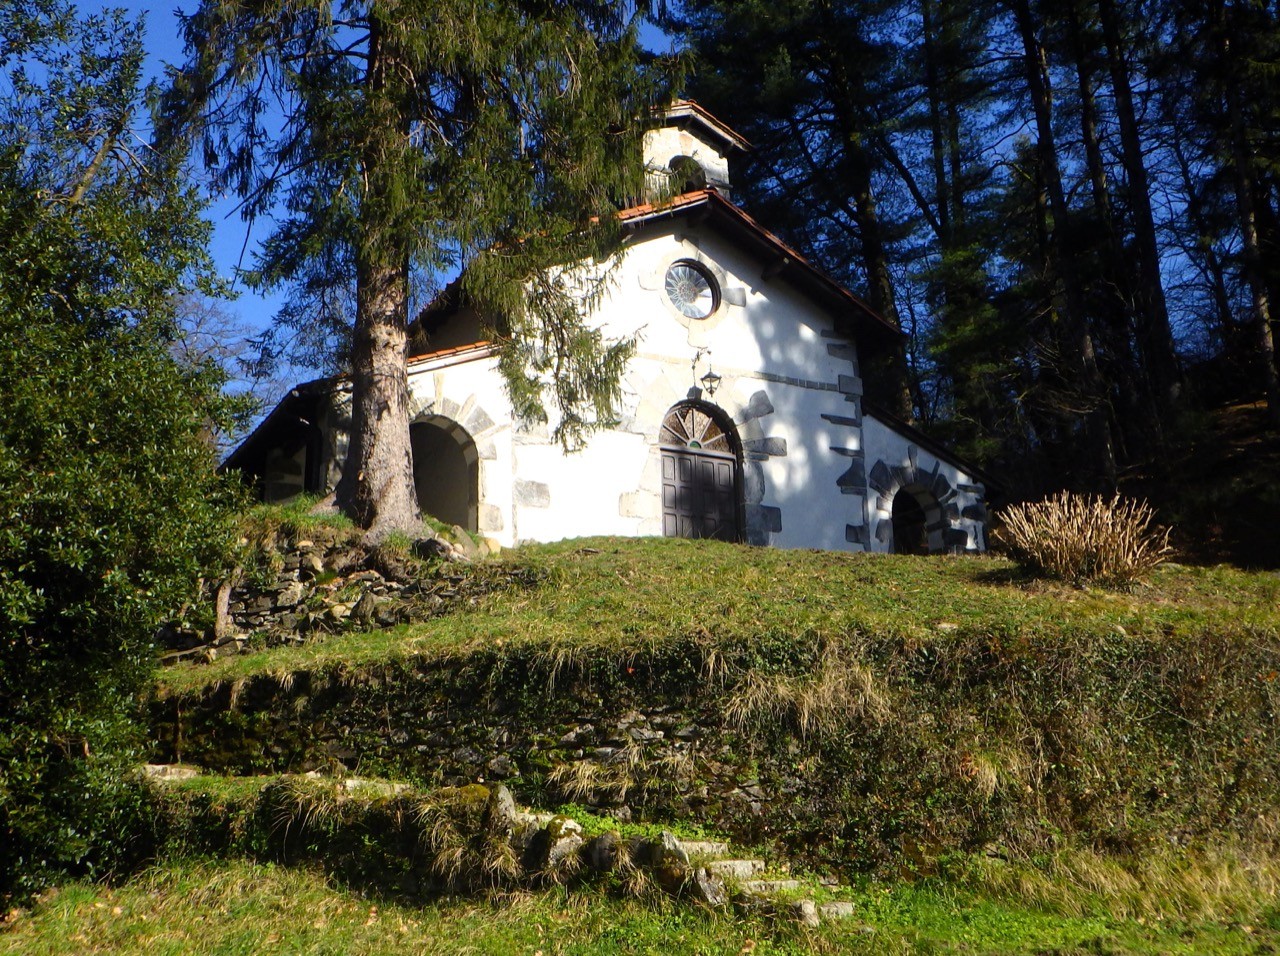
631, 594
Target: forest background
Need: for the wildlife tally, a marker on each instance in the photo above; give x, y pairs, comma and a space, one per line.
1071, 209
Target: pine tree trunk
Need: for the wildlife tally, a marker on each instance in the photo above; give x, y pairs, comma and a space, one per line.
1242, 175
1155, 335
376, 489
1145, 425
880, 294
1077, 337
858, 168
933, 89
1215, 271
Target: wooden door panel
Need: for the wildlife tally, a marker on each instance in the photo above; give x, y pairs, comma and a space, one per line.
699, 495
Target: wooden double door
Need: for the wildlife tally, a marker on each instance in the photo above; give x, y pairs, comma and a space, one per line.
700, 494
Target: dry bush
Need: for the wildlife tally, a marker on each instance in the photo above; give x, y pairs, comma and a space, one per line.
1086, 539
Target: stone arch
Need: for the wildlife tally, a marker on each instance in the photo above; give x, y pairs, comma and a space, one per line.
930, 491
701, 457
687, 174
446, 471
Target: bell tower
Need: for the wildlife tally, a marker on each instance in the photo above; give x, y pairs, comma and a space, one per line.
690, 150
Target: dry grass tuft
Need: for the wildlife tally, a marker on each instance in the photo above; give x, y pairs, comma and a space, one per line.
310, 804
991, 772
1086, 539
627, 770
1205, 885
465, 851
838, 691
579, 780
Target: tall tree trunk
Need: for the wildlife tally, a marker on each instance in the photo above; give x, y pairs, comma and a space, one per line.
1077, 338
1242, 178
880, 294
376, 489
933, 89
858, 168
1145, 424
1214, 269
1155, 335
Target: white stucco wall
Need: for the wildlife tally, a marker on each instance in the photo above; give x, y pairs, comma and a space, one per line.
789, 384
816, 472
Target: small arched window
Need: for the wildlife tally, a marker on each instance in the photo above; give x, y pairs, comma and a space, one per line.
688, 426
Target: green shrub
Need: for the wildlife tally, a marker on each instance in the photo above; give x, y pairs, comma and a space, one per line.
1086, 539
109, 507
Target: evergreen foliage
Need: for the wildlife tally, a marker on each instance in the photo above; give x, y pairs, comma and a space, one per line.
109, 501
1071, 208
403, 140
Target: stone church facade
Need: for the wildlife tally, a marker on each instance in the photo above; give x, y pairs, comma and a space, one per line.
743, 413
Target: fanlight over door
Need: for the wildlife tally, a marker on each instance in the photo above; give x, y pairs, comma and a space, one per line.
699, 477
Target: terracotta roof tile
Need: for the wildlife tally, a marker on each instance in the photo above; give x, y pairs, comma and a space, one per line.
484, 344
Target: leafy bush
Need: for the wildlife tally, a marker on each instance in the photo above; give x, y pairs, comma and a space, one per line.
109, 507
1086, 538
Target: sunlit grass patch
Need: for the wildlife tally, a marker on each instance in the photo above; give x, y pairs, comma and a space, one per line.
206, 908
634, 595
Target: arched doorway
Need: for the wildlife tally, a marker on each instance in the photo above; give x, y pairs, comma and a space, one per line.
445, 471
701, 474
917, 522
909, 536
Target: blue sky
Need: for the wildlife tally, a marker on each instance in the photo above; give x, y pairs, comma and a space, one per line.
234, 240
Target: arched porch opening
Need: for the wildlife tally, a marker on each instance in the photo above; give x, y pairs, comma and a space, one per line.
446, 471
918, 522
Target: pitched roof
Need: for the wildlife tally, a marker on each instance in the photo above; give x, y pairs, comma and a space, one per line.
781, 260
301, 404
686, 111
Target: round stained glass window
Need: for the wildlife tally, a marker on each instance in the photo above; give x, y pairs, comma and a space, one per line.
692, 290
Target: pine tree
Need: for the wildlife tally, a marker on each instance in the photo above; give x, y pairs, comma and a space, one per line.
406, 137
820, 75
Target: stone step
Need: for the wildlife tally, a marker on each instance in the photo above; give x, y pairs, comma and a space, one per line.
705, 849
837, 909
805, 913
766, 887
735, 869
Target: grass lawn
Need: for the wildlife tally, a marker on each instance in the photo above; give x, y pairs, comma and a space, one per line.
632, 594
244, 908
